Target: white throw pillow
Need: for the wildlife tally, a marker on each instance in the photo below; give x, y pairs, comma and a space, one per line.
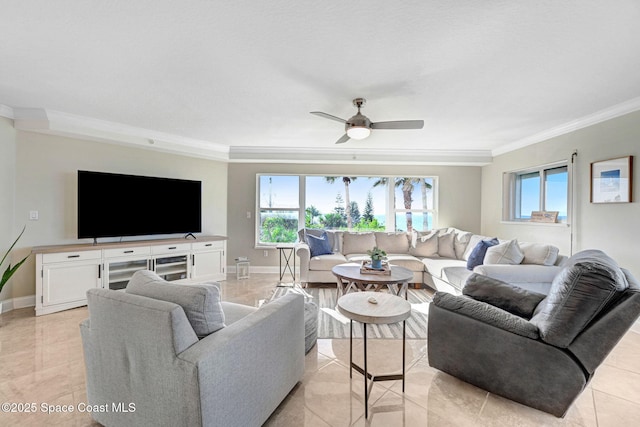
357, 243
460, 243
446, 246
505, 253
393, 243
425, 246
539, 253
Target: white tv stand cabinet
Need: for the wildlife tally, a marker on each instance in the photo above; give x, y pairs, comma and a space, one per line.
64, 273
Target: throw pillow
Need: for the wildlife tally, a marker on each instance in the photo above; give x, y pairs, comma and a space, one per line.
473, 242
477, 254
393, 243
499, 294
357, 243
319, 245
201, 303
460, 243
538, 253
446, 248
425, 246
504, 253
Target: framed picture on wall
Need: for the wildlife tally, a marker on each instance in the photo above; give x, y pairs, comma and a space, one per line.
611, 180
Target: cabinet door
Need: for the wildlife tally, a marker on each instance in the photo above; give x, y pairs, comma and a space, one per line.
208, 265
68, 282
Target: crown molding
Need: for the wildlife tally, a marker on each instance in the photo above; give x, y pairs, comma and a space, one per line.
617, 110
69, 125
6, 111
358, 156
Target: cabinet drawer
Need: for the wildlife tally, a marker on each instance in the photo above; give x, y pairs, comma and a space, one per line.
168, 249
71, 256
219, 244
120, 252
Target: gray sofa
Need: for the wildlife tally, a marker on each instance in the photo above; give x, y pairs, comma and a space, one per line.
437, 258
538, 350
145, 351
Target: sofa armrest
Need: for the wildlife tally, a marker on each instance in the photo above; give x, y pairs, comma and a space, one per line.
256, 360
304, 254
486, 313
503, 295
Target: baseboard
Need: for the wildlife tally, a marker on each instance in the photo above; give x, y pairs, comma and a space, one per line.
231, 269
15, 303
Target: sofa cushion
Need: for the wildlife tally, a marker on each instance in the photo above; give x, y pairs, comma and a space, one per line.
319, 245
357, 243
510, 298
201, 303
538, 253
435, 265
424, 246
456, 275
326, 262
504, 253
397, 243
477, 254
304, 233
473, 242
406, 261
588, 281
446, 246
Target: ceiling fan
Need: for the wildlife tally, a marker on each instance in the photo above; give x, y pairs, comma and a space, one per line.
359, 126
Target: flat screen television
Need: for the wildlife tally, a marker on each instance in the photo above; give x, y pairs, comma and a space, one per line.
116, 205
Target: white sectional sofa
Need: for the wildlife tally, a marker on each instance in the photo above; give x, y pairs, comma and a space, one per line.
438, 259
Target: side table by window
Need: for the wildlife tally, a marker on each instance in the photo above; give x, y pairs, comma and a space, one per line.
286, 252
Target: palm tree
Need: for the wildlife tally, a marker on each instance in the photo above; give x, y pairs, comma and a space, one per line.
407, 189
347, 203
424, 186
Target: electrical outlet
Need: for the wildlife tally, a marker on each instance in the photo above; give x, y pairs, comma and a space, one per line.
33, 215
248, 214
266, 253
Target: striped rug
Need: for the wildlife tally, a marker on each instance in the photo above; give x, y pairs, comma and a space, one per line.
332, 324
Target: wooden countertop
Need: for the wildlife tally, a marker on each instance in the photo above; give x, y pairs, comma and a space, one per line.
131, 243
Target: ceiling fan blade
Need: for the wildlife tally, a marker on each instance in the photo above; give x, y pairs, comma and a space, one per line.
343, 139
400, 124
328, 116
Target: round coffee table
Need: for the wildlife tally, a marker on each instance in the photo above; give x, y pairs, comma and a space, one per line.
349, 277
377, 308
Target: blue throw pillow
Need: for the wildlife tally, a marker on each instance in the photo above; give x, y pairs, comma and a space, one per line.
319, 245
477, 254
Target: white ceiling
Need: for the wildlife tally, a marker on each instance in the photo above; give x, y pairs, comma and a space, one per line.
237, 80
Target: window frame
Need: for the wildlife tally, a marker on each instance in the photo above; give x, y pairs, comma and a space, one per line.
390, 211
512, 197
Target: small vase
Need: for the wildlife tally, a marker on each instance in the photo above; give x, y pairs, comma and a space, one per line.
376, 263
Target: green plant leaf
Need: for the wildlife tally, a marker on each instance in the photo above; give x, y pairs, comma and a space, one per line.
14, 243
9, 272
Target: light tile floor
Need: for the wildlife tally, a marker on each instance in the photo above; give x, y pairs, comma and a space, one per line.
41, 362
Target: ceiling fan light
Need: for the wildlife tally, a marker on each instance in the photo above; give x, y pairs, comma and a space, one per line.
358, 132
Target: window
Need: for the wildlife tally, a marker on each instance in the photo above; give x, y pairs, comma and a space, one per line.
414, 204
544, 188
279, 208
361, 203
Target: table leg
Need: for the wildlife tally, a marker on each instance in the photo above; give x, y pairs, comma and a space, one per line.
404, 346
351, 349
366, 375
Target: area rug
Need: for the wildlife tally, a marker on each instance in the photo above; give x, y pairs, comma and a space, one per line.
332, 324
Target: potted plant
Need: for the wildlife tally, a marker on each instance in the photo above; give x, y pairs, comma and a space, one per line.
377, 255
11, 269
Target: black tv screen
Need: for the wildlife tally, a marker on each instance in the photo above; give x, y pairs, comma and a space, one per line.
116, 205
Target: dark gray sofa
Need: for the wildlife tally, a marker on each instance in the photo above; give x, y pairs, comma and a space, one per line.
546, 354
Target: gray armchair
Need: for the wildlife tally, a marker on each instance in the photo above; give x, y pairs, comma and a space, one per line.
144, 351
534, 349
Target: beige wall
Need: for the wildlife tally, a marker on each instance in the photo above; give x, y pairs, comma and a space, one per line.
7, 188
614, 228
46, 181
459, 198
